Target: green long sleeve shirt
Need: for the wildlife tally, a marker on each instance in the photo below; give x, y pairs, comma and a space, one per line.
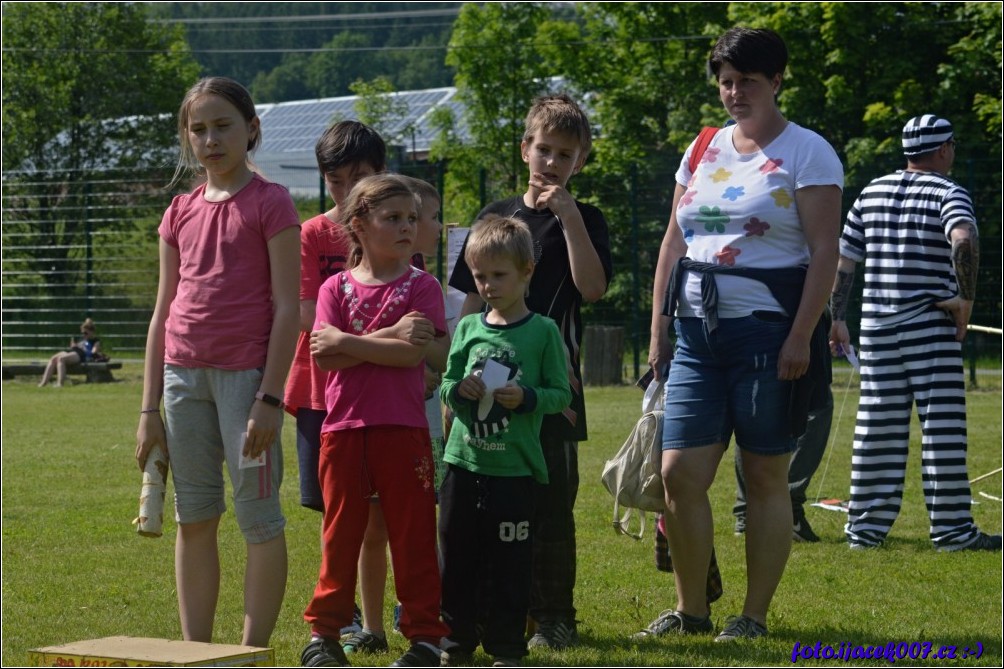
488, 438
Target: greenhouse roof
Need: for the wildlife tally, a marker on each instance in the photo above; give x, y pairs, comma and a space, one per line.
294, 127
291, 129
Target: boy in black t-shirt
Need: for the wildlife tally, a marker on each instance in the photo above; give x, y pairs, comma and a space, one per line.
572, 257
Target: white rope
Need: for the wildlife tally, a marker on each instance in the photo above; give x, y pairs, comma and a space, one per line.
834, 429
983, 328
987, 475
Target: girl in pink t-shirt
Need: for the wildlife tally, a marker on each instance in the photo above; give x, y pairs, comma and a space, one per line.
375, 439
220, 343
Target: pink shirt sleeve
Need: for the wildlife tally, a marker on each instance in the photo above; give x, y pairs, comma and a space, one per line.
328, 307
310, 268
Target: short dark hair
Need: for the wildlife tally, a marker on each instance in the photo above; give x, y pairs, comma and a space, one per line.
559, 113
350, 143
749, 50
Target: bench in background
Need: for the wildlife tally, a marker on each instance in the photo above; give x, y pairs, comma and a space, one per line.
96, 372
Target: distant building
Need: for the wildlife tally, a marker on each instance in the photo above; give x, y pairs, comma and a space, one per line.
290, 131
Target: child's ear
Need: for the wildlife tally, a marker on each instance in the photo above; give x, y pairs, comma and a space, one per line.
254, 128
580, 161
524, 151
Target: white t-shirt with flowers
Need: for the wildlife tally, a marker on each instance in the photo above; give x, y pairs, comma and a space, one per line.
739, 210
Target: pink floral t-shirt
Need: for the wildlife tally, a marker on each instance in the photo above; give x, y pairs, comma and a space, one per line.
367, 394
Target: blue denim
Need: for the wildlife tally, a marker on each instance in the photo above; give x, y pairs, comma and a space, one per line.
726, 382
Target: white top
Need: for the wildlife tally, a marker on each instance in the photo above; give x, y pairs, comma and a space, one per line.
739, 210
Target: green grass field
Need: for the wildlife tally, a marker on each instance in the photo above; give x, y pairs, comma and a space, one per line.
74, 568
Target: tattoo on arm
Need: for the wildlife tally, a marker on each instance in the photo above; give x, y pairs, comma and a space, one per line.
966, 261
841, 295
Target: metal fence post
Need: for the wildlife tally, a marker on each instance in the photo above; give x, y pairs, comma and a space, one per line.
88, 251
321, 200
635, 270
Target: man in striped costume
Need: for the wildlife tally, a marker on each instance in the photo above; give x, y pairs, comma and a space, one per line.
916, 231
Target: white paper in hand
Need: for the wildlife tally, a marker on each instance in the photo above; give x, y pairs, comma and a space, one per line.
248, 463
852, 358
494, 376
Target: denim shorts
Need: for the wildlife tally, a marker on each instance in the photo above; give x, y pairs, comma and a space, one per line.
207, 415
726, 382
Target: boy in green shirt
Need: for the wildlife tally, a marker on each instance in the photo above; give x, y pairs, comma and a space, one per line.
506, 369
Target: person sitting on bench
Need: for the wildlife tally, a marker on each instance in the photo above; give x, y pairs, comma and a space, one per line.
81, 350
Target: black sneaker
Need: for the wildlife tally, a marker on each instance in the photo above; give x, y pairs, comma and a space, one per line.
741, 627
323, 653
802, 532
365, 641
982, 542
674, 622
556, 634
419, 655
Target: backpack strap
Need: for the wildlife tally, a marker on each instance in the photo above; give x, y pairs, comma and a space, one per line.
707, 134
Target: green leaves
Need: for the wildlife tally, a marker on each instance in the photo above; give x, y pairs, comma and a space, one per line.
69, 67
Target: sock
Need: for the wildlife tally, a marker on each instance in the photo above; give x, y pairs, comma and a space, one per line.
694, 619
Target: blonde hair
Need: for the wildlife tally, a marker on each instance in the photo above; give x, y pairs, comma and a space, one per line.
559, 113
500, 236
425, 191
88, 326
364, 197
229, 90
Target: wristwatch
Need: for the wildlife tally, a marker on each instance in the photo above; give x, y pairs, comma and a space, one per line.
269, 399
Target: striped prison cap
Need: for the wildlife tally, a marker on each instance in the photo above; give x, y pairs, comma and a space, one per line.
925, 133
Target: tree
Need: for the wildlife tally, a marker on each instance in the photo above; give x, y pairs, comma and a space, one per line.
498, 73
88, 87
975, 61
286, 81
643, 65
296, 50
379, 108
69, 69
856, 73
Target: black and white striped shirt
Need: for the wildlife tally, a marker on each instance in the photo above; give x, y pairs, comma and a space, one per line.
900, 226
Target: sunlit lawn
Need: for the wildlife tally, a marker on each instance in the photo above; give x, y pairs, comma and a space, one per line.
74, 568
